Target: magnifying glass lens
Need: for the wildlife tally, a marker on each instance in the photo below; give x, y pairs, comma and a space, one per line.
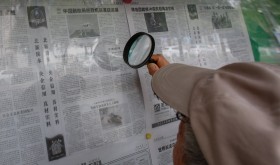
139, 50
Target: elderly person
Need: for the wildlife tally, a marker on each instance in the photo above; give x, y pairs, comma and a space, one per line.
229, 116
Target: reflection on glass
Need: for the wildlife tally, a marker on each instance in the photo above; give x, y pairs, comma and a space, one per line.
139, 50
107, 59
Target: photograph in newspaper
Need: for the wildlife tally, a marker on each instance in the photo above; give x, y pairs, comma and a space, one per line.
56, 147
37, 16
83, 26
156, 22
192, 11
110, 117
221, 20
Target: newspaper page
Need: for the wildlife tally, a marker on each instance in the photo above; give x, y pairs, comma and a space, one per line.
66, 96
21, 138
165, 23
204, 35
219, 30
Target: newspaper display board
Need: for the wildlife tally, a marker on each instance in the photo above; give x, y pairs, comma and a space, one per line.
203, 35
67, 97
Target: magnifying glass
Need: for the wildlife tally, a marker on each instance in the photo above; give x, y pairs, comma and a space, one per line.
138, 50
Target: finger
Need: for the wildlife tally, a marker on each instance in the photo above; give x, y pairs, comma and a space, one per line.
152, 68
160, 60
156, 57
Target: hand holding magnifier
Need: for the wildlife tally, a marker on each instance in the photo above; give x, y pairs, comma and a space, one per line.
138, 50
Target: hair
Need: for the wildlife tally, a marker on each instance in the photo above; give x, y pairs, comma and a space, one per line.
192, 151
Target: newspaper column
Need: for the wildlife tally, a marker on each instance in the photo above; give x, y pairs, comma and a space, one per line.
54, 138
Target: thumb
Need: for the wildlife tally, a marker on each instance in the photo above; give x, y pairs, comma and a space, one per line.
152, 67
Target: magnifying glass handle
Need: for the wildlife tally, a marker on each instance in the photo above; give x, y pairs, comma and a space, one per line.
152, 61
